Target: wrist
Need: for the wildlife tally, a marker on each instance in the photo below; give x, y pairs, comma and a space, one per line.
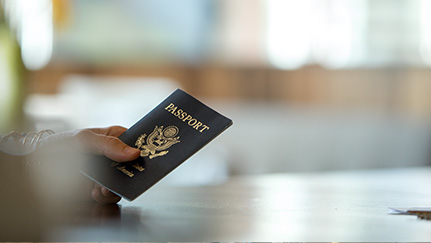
15, 143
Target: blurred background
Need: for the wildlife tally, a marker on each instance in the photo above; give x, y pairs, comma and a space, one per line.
311, 85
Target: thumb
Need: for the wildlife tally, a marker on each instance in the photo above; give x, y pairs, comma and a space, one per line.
106, 145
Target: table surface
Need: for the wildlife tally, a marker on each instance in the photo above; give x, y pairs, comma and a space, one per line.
330, 206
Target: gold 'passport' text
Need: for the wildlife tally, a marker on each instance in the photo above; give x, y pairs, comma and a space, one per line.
186, 118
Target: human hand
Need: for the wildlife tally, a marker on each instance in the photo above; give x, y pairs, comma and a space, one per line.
64, 151
104, 141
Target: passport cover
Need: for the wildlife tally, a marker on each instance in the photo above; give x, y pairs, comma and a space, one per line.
167, 136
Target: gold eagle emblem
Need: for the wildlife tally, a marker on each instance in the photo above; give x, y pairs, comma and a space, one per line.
158, 141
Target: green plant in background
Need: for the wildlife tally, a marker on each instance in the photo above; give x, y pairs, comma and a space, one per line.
12, 74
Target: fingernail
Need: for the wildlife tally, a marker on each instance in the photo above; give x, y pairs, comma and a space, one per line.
130, 150
105, 192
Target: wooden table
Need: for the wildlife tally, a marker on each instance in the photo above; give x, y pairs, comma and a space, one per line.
332, 206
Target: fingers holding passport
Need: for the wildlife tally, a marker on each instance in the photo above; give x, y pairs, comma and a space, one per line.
104, 141
63, 154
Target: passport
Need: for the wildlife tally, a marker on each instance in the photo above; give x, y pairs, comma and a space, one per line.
167, 136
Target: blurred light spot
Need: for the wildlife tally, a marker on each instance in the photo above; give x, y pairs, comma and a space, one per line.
32, 22
288, 38
314, 31
425, 42
336, 36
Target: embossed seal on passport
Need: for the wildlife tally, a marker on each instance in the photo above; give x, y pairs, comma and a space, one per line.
158, 141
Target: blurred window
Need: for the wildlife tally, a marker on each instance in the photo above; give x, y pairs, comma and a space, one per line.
348, 33
287, 34
134, 31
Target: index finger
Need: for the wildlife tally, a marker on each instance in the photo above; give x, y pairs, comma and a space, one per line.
114, 131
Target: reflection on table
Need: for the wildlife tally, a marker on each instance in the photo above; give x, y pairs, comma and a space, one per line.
332, 206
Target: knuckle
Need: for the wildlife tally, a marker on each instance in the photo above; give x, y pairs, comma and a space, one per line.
82, 134
115, 130
119, 128
111, 141
115, 127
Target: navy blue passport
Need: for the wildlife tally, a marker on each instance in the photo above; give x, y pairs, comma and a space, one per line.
167, 136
